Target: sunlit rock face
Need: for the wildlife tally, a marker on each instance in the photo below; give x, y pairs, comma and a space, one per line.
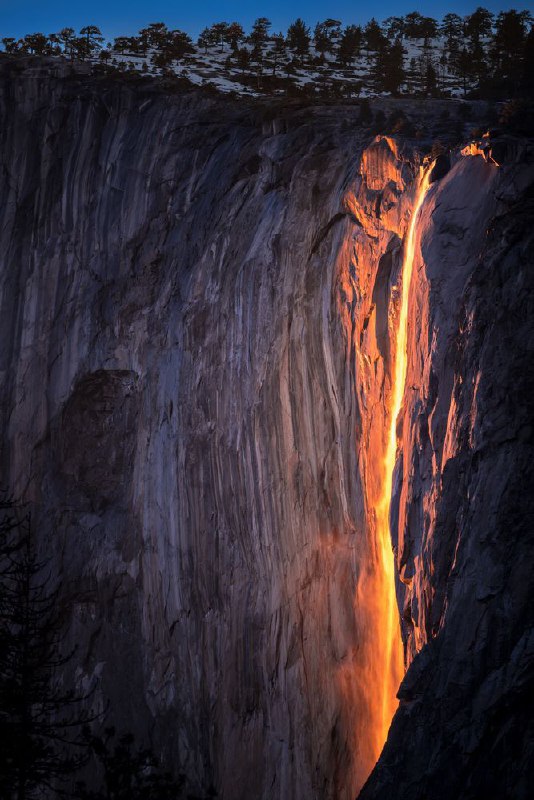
196, 339
464, 505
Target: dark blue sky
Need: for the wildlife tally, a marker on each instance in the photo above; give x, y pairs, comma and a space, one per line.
18, 17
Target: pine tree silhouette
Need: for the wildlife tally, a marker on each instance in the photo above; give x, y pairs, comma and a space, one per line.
128, 772
40, 722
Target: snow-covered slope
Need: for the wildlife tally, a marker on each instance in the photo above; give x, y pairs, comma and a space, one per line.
219, 68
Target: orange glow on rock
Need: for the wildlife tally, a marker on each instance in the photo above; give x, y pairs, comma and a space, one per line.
384, 665
481, 147
370, 663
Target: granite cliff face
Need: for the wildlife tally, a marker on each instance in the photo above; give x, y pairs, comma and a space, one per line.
464, 505
198, 309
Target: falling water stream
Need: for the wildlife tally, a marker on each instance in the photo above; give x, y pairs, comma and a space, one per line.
388, 645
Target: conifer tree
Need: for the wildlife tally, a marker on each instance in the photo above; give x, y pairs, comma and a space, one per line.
413, 25
350, 44
40, 723
153, 36
389, 68
509, 44
205, 39
234, 34
451, 27
260, 32
323, 36
279, 50
374, 38
298, 37
93, 37
219, 32
243, 59
463, 68
10, 44
66, 36
479, 24
127, 772
80, 48
394, 27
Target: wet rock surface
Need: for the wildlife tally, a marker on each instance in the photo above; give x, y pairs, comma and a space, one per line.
465, 724
195, 345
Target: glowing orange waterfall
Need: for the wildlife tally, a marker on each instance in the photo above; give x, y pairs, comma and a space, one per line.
385, 663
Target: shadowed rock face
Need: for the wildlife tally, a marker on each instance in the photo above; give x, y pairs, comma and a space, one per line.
195, 349
95, 436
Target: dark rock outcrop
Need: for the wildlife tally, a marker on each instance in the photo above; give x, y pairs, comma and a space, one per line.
440, 167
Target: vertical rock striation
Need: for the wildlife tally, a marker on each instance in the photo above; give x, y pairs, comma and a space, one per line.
464, 499
197, 306
180, 404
